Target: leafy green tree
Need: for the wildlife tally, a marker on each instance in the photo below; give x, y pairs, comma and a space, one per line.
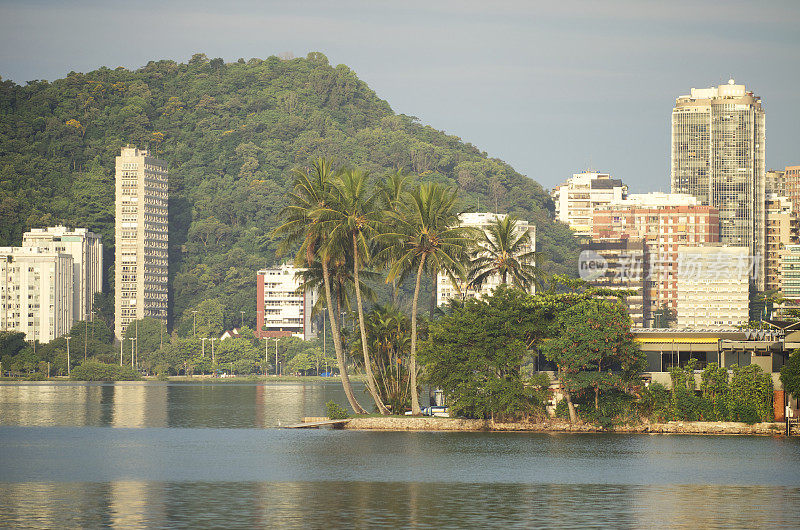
425, 235
715, 388
751, 393
594, 349
475, 353
790, 374
504, 250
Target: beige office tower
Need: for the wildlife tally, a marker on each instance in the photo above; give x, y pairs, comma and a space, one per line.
86, 250
141, 234
718, 156
36, 292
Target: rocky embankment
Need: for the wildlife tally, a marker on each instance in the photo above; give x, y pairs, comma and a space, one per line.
456, 424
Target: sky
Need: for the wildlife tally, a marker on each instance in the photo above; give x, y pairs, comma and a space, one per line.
553, 88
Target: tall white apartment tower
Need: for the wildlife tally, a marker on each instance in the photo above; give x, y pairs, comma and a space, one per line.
86, 250
718, 144
141, 236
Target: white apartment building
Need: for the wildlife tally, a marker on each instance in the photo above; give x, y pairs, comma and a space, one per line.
655, 199
718, 155
446, 290
36, 292
141, 238
283, 309
713, 286
578, 198
86, 250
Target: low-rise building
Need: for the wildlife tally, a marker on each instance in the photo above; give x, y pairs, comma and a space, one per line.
283, 307
447, 290
578, 198
36, 292
713, 286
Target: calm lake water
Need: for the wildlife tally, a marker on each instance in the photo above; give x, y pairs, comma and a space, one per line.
210, 455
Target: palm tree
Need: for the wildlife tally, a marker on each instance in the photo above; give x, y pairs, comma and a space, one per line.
312, 190
504, 250
425, 236
391, 192
353, 216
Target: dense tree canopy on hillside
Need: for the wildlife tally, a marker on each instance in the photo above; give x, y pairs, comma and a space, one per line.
230, 133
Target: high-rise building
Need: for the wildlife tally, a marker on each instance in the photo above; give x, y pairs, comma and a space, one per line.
623, 265
283, 308
86, 250
36, 292
776, 182
790, 279
713, 286
782, 227
141, 238
718, 156
664, 225
578, 198
791, 182
446, 290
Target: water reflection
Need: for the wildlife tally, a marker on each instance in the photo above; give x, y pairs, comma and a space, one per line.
369, 504
153, 404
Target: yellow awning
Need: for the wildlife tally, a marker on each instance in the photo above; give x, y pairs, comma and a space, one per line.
682, 340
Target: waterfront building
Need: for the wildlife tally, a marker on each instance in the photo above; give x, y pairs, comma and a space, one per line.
718, 146
782, 229
791, 183
713, 286
447, 290
86, 250
141, 238
621, 265
283, 307
578, 198
36, 292
663, 222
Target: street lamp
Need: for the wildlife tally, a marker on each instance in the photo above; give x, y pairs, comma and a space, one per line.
276, 356
203, 347
67, 337
213, 358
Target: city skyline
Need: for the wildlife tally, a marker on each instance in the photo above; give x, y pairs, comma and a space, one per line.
480, 73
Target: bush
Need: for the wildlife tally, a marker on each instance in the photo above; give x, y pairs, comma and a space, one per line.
93, 370
562, 409
744, 412
37, 376
654, 403
335, 411
751, 387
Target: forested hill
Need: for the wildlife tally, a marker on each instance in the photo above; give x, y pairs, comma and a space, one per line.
231, 133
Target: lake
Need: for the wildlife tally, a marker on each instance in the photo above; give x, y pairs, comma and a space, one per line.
188, 455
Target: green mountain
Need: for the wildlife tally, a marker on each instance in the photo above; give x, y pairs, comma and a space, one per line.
231, 133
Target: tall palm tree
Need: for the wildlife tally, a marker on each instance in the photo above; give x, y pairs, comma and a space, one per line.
504, 250
353, 217
391, 192
426, 236
312, 191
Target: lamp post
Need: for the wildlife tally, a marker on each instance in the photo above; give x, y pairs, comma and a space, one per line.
132, 339
137, 342
67, 337
121, 343
85, 339
163, 317
266, 353
241, 322
203, 347
213, 358
276, 356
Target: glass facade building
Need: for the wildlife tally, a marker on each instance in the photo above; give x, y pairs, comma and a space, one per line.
718, 143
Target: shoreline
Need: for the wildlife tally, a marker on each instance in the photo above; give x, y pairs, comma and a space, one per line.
398, 424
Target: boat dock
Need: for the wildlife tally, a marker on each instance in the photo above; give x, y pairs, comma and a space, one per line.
316, 423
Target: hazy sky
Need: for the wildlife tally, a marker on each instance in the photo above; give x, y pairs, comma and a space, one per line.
551, 87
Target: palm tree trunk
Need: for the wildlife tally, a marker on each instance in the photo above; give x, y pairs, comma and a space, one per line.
434, 297
367, 364
337, 345
415, 410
